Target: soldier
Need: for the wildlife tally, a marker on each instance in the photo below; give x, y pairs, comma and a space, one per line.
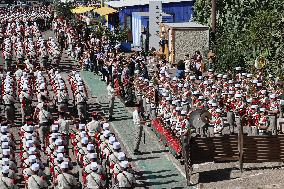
137, 119
62, 99
44, 57
81, 100
19, 72
42, 94
8, 59
9, 102
5, 181
45, 120
64, 125
93, 179
35, 181
116, 168
93, 127
25, 100
125, 179
65, 179
111, 97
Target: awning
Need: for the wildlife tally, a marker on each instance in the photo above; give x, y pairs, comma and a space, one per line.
79, 10
105, 11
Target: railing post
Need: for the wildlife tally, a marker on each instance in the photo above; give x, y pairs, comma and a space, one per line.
273, 123
241, 143
186, 155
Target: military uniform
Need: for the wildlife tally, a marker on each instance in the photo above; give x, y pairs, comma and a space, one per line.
66, 181
125, 179
44, 123
139, 128
25, 100
81, 105
111, 97
36, 182
5, 181
62, 100
9, 101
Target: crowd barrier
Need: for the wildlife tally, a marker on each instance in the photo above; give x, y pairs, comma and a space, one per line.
167, 138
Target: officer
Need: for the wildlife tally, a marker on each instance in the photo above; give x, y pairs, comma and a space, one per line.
65, 179
81, 100
25, 100
125, 179
111, 97
35, 181
45, 120
64, 125
62, 99
5, 181
93, 127
9, 102
137, 120
93, 179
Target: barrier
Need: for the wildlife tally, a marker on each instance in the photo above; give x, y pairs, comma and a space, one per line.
232, 148
167, 138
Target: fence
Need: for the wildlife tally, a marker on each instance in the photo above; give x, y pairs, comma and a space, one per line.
232, 148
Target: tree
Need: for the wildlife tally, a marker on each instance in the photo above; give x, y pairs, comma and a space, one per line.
246, 29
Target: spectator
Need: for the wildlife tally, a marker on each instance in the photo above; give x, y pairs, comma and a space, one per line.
180, 69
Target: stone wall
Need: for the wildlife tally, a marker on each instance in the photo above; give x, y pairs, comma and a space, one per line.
189, 41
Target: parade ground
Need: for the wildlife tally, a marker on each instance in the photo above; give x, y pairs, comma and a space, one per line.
81, 111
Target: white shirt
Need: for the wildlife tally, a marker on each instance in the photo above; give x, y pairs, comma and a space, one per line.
136, 117
110, 91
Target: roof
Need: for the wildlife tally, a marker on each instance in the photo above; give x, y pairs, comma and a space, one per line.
130, 3
146, 14
186, 25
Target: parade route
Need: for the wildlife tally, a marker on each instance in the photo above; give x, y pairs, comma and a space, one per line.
158, 167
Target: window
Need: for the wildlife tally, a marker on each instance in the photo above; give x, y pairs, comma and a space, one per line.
127, 21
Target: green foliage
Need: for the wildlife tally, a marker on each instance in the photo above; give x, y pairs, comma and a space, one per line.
117, 35
63, 10
246, 29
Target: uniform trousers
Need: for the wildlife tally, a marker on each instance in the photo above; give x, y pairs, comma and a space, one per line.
7, 64
81, 108
9, 112
148, 109
138, 137
139, 100
43, 62
62, 106
272, 123
44, 129
23, 112
231, 121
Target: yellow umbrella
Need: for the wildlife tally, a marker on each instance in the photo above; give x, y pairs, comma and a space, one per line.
105, 11
79, 10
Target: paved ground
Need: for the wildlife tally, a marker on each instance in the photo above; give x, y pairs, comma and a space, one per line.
158, 167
